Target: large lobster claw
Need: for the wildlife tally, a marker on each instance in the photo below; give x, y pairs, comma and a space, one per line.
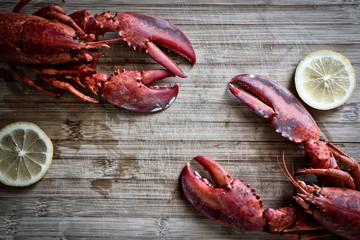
127, 89
230, 202
141, 31
277, 104
289, 118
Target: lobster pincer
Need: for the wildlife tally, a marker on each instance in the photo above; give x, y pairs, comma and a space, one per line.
62, 49
141, 32
289, 118
123, 91
230, 202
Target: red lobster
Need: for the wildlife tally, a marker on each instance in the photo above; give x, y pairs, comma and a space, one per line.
62, 50
237, 205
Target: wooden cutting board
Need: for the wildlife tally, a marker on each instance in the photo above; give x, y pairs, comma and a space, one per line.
115, 173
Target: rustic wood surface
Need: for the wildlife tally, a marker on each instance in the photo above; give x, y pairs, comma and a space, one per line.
115, 173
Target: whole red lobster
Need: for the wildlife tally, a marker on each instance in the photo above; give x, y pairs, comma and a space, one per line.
237, 205
61, 48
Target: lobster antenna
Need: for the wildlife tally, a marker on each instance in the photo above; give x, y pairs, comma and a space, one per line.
282, 170
102, 43
288, 176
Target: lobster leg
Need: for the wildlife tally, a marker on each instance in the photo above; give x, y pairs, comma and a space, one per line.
20, 5
67, 86
84, 75
30, 82
68, 71
55, 12
331, 172
342, 157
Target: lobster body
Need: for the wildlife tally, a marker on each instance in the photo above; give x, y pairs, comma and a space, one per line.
30, 39
62, 49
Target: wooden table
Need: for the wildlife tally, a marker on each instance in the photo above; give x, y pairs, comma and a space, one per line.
115, 173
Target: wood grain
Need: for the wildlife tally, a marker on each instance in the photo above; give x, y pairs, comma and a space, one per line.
115, 173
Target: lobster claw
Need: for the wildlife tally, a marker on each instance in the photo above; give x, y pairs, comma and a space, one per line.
142, 31
127, 89
230, 202
277, 104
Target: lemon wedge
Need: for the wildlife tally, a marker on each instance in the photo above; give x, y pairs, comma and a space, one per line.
325, 79
25, 154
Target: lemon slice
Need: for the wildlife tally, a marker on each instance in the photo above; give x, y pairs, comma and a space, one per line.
325, 79
25, 154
